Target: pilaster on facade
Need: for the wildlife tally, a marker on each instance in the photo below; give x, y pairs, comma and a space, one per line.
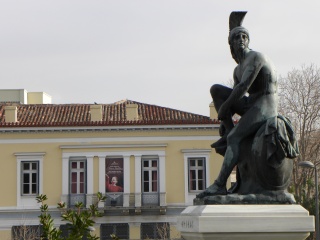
90, 199
162, 180
163, 202
137, 202
126, 173
102, 177
65, 176
126, 200
137, 168
64, 198
90, 174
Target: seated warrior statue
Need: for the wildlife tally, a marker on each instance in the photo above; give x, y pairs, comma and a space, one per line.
254, 97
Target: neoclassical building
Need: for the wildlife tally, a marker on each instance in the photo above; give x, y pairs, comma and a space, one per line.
150, 162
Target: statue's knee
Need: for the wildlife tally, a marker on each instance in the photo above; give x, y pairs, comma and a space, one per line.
219, 91
215, 89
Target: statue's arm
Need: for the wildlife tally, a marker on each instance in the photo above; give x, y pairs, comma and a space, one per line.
249, 75
235, 79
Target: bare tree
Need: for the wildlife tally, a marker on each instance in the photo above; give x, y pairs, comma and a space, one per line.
26, 232
299, 100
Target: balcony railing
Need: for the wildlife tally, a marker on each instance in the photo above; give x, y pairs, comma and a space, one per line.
125, 200
150, 199
76, 198
114, 199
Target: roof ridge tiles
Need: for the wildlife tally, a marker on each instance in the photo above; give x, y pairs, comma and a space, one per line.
52, 115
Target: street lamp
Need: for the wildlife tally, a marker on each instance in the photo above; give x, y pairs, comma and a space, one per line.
307, 164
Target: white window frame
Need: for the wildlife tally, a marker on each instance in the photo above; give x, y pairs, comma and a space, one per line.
78, 170
195, 153
66, 158
30, 172
196, 168
150, 170
29, 201
161, 175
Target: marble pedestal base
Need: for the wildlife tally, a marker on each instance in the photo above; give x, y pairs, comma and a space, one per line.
246, 222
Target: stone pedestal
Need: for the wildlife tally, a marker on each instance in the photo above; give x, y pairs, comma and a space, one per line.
276, 222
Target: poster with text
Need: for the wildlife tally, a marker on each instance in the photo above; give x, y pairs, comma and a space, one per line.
114, 174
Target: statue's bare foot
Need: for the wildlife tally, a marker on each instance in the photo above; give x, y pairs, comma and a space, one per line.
213, 190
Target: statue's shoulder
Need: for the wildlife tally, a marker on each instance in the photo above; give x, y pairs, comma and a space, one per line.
255, 54
255, 57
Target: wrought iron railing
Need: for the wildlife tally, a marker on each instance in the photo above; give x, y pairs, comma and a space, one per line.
76, 198
150, 199
114, 199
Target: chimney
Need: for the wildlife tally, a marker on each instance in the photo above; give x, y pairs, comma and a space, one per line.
96, 112
213, 112
132, 112
11, 113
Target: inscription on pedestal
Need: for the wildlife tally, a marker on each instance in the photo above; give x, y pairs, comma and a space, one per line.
186, 224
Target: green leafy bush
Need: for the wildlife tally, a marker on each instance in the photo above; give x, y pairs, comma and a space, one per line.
79, 220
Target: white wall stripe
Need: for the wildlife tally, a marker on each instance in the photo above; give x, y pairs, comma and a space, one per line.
107, 139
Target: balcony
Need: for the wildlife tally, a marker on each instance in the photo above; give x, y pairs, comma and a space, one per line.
133, 203
114, 200
76, 198
150, 199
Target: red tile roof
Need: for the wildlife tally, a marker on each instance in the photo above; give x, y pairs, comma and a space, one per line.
46, 115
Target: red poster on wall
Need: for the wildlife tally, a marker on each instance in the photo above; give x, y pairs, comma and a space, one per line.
114, 174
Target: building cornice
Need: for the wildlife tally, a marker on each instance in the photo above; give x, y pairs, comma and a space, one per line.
113, 146
196, 150
29, 153
108, 128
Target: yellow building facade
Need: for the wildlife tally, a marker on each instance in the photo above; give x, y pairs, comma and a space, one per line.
149, 161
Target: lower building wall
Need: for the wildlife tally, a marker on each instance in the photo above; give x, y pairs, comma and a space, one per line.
5, 234
174, 233
134, 231
135, 228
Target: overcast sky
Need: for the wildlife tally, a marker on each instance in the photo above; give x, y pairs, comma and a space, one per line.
162, 52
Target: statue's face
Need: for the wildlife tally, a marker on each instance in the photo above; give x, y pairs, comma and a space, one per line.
240, 41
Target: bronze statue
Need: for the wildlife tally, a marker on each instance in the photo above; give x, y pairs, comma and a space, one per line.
253, 144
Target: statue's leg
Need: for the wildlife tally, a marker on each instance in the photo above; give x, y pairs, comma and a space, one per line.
230, 161
249, 124
219, 95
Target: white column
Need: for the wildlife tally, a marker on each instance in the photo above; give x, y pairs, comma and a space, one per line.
137, 168
89, 196
186, 190
18, 182
65, 175
102, 174
90, 175
162, 171
102, 177
126, 174
162, 179
126, 180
